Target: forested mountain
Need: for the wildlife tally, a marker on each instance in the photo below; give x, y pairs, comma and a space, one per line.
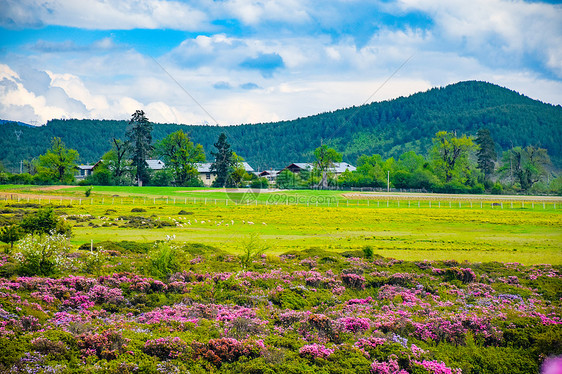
389, 128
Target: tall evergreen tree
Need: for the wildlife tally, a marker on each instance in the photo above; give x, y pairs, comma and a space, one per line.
139, 133
486, 152
224, 161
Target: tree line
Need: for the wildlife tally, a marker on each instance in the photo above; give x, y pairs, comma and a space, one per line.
389, 128
455, 164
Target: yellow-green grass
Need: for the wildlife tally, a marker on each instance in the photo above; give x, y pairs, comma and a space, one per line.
529, 235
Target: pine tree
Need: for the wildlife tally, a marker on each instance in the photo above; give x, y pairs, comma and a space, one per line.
224, 161
486, 152
139, 133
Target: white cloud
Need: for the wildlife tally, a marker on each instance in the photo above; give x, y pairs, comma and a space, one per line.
254, 12
103, 15
505, 32
320, 70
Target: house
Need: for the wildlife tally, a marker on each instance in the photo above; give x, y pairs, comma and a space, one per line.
207, 176
297, 167
270, 175
155, 164
83, 172
337, 169
340, 167
152, 164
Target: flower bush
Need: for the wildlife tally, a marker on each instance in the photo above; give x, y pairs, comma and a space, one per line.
290, 313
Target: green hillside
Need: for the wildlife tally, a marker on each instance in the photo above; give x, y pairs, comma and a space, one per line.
388, 128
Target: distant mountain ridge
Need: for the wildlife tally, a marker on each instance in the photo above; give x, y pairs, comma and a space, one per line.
389, 128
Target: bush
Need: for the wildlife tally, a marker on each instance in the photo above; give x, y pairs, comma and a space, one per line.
42, 255
497, 189
164, 261
165, 348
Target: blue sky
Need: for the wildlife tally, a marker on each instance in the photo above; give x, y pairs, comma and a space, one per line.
248, 61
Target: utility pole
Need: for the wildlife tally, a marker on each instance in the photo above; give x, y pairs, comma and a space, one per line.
388, 181
21, 167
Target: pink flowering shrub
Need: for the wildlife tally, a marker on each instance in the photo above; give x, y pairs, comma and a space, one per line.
165, 348
353, 280
386, 367
436, 367
354, 324
222, 350
314, 351
106, 345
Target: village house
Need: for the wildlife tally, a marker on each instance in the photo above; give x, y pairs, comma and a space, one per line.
83, 171
207, 176
270, 175
338, 168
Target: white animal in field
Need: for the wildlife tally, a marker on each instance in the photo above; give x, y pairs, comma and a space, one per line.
250, 223
263, 223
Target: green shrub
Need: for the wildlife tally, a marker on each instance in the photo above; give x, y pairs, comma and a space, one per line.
164, 260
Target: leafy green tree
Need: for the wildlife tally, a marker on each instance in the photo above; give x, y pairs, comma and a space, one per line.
486, 152
224, 161
139, 134
324, 161
59, 162
181, 156
450, 156
10, 234
526, 165
116, 161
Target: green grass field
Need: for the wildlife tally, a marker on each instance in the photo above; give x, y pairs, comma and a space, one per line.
414, 228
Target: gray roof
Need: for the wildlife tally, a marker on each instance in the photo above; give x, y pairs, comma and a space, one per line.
340, 167
247, 167
269, 172
85, 167
155, 164
303, 165
205, 167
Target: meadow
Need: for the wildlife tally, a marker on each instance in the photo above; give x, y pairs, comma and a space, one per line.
441, 228
165, 280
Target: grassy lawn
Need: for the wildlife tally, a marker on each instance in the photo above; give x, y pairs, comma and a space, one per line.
529, 236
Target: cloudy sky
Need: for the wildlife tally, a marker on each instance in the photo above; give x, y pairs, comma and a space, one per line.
247, 61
